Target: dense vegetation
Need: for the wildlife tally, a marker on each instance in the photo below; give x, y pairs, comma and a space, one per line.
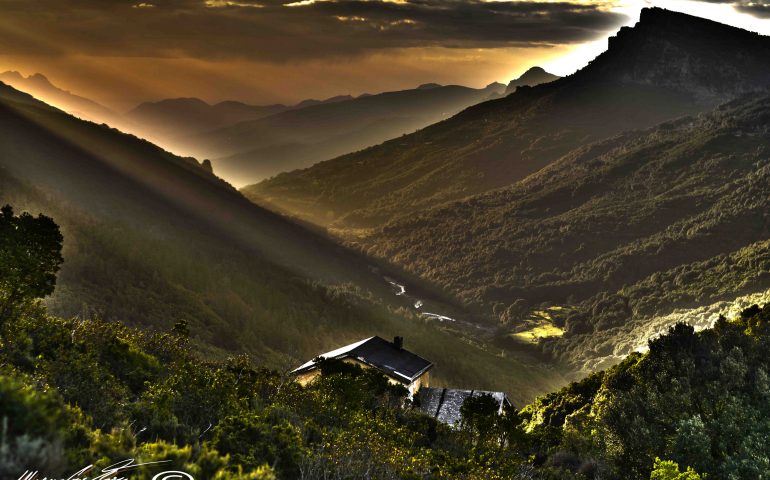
73, 393
674, 216
80, 392
699, 399
639, 82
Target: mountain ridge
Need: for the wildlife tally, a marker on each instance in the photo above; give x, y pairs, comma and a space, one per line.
532, 77
41, 87
299, 137
672, 40
166, 119
499, 142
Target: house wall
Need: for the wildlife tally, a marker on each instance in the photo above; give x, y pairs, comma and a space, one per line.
307, 377
422, 381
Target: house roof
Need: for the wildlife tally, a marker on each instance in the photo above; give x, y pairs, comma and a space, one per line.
400, 364
444, 404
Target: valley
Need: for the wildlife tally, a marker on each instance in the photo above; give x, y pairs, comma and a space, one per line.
567, 210
656, 215
551, 253
154, 239
559, 277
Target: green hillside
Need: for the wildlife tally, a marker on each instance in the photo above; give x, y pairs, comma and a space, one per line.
85, 393
698, 400
674, 216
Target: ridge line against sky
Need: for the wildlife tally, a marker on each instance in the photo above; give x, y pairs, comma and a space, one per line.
123, 52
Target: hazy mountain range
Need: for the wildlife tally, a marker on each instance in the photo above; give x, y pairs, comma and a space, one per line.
250, 142
298, 138
175, 118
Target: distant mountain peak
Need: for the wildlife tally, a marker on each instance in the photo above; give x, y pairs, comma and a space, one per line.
11, 74
38, 86
534, 70
312, 101
36, 78
428, 86
182, 101
530, 78
39, 77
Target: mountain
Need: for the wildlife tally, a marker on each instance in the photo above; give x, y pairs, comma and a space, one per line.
151, 239
311, 102
610, 237
168, 121
532, 77
40, 87
185, 116
668, 65
249, 151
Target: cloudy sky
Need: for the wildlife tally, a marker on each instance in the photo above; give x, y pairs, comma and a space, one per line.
121, 52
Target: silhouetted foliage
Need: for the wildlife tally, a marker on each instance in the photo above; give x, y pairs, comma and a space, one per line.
30, 255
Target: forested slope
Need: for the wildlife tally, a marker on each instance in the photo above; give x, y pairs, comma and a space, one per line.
82, 392
674, 216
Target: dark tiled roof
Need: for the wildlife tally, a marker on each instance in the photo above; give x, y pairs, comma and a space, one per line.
444, 404
376, 352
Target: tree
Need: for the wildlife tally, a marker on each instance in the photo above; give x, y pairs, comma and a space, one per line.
479, 414
668, 470
30, 256
181, 328
252, 440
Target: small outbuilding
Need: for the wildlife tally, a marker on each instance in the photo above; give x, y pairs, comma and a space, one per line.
444, 404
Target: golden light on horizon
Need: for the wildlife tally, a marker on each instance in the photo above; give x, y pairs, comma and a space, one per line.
120, 75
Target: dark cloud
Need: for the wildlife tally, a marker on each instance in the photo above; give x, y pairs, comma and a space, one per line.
278, 30
758, 8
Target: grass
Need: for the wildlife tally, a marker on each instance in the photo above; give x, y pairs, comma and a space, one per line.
539, 325
545, 330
